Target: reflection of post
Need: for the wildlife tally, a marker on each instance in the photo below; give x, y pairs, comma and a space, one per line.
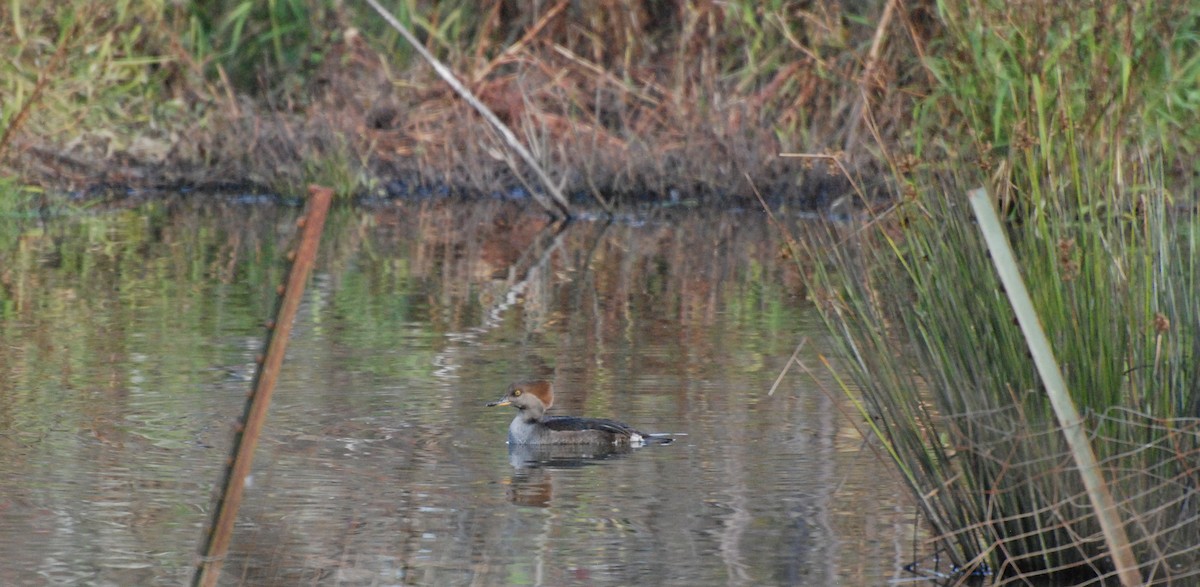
535, 257
245, 439
735, 524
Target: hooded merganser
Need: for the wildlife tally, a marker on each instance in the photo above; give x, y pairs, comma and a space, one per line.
532, 426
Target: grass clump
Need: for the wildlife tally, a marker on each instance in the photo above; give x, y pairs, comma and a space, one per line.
255, 45
1081, 144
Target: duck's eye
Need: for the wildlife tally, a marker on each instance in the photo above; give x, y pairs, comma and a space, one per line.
516, 393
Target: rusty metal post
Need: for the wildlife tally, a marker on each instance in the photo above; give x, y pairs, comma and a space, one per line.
220, 533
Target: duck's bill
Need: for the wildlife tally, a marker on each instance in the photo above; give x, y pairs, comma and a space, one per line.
499, 402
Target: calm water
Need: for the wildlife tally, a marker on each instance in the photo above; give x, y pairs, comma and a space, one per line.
126, 343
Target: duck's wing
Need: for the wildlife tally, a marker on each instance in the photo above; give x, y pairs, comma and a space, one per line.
573, 424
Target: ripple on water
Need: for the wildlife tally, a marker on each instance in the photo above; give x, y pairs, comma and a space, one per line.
379, 464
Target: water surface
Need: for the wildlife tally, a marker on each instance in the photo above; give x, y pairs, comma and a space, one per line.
127, 338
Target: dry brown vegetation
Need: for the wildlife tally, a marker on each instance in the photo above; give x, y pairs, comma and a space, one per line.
616, 98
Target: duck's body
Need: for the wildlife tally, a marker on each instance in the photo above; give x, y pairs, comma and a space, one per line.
572, 430
533, 426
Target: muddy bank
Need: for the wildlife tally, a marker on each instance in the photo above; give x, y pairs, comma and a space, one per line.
662, 104
341, 142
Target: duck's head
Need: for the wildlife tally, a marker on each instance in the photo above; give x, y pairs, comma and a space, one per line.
536, 395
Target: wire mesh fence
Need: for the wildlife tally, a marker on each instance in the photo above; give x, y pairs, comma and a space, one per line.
1036, 520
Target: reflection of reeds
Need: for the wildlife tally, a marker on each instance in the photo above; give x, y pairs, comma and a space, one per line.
684, 314
947, 382
689, 261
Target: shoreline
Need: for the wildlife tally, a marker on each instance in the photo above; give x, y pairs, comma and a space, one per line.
361, 116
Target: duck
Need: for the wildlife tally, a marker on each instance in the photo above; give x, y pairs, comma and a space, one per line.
532, 426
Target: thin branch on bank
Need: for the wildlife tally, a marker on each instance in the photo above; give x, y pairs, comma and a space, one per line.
557, 203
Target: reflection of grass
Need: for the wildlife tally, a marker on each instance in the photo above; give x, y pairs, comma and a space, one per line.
103, 277
1079, 148
434, 278
155, 303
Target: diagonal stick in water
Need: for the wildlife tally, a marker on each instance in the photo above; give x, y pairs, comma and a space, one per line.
220, 533
787, 366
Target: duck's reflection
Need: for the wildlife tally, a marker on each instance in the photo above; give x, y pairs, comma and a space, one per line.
563, 456
534, 466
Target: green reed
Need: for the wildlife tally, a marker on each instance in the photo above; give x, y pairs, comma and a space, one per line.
1081, 146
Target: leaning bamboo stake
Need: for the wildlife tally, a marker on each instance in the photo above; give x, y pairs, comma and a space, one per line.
246, 437
559, 203
1056, 388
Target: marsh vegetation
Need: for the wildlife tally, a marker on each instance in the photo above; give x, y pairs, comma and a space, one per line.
1078, 118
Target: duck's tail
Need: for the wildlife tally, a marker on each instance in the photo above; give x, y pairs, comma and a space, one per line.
662, 437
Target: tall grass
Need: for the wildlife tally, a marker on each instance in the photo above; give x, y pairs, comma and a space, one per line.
251, 42
84, 81
1082, 144
276, 47
632, 96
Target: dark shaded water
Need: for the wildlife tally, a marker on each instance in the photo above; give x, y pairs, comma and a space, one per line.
127, 339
